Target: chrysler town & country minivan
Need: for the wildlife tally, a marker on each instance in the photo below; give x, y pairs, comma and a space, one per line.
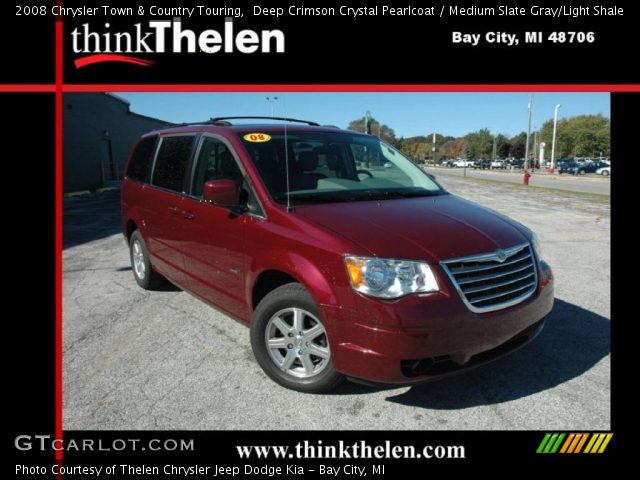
343, 257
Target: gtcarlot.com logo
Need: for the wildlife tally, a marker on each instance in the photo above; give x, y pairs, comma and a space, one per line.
574, 443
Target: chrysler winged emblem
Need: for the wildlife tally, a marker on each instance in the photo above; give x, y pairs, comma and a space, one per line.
501, 256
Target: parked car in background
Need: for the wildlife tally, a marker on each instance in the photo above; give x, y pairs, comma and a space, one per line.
583, 168
463, 163
604, 171
482, 164
567, 166
516, 163
498, 164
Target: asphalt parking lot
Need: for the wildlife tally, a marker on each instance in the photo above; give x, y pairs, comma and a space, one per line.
164, 360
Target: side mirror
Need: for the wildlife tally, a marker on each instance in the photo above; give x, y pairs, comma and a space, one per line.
223, 193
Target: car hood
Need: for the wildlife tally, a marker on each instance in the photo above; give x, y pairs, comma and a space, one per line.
427, 228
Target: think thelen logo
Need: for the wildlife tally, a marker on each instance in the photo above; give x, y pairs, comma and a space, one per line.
574, 443
163, 36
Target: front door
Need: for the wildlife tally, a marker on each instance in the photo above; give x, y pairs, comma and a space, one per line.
213, 240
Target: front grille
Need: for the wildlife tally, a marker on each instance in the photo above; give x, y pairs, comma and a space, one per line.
494, 280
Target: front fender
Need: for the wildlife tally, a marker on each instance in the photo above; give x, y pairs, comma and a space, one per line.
315, 278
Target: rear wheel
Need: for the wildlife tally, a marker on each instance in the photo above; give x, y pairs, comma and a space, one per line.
605, 173
290, 342
144, 274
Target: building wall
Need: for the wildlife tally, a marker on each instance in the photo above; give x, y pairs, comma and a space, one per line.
90, 120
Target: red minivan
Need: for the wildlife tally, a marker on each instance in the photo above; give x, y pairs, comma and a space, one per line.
344, 257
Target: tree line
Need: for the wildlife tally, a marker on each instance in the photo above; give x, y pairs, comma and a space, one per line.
581, 136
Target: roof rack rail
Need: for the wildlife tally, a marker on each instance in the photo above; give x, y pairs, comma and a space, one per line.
186, 124
220, 120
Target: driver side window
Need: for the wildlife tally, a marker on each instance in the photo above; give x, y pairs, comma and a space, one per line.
214, 162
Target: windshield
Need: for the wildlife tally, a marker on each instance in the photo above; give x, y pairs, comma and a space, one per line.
334, 167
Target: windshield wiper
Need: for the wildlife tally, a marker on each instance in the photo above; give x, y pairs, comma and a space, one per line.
354, 195
386, 194
420, 193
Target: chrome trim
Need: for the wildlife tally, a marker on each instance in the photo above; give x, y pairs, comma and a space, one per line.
479, 269
489, 277
501, 284
496, 256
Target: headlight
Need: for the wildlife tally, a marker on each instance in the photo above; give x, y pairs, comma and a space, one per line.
535, 243
388, 278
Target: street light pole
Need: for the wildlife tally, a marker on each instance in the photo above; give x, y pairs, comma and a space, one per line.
367, 123
526, 148
272, 100
433, 148
553, 141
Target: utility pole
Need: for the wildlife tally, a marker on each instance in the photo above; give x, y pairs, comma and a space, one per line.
494, 151
526, 148
534, 153
553, 141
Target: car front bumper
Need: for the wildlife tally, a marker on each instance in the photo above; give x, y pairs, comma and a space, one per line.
430, 335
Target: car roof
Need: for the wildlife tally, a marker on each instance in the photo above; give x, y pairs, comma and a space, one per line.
248, 127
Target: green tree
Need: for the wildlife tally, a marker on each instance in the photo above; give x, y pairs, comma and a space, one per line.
502, 146
384, 132
412, 147
581, 136
468, 151
517, 145
480, 143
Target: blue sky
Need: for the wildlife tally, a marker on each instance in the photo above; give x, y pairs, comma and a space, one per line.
408, 114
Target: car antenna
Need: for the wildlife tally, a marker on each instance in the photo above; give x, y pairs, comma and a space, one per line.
286, 155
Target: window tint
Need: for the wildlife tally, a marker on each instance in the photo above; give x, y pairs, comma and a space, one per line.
140, 163
171, 162
335, 166
215, 161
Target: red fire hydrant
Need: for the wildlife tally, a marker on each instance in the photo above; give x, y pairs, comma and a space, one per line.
527, 176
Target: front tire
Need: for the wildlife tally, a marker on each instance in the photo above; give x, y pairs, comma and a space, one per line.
144, 274
290, 342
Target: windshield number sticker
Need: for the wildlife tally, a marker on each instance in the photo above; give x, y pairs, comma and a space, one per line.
257, 137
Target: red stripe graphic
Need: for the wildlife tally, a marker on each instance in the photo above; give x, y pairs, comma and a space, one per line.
103, 57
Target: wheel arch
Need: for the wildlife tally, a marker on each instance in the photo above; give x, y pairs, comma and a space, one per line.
287, 267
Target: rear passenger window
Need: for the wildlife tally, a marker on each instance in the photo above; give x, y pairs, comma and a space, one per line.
171, 162
140, 162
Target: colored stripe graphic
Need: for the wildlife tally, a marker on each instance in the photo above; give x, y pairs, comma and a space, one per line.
597, 443
100, 58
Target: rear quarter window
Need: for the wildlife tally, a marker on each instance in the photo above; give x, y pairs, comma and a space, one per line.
140, 163
172, 162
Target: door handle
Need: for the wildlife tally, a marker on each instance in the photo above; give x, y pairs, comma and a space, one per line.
188, 215
173, 209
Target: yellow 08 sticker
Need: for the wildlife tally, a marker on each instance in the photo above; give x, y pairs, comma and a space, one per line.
257, 137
